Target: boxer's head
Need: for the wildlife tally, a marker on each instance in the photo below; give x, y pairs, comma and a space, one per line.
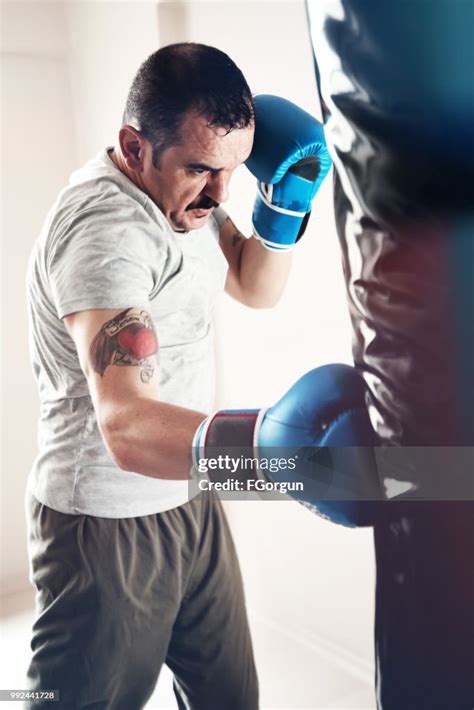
188, 123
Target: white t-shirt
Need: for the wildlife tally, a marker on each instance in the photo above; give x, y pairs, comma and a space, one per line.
105, 244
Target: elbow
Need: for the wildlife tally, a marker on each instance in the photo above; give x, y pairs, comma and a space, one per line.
262, 301
113, 431
273, 300
121, 456
262, 305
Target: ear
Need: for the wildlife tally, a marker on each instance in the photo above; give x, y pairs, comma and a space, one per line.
132, 145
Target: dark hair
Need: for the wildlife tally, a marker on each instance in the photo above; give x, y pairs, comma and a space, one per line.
181, 77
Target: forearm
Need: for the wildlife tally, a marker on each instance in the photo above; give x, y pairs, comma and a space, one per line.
263, 274
151, 437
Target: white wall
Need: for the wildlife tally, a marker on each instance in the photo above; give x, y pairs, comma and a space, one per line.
107, 43
37, 155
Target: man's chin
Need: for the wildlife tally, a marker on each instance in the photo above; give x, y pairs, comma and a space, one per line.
191, 219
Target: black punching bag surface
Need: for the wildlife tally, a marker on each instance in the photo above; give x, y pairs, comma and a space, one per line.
396, 83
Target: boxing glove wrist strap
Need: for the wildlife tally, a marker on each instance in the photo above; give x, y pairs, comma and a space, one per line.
266, 193
227, 431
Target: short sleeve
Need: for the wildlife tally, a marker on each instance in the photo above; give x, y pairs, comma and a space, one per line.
220, 216
108, 256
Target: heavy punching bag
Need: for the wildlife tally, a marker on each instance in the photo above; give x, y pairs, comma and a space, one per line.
396, 84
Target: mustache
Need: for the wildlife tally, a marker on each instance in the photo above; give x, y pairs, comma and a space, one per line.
204, 203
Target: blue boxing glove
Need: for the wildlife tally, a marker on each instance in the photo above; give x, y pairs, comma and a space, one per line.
290, 160
322, 426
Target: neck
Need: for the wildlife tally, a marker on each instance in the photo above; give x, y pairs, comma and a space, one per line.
119, 161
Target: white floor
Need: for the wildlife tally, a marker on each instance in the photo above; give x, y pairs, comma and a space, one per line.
296, 671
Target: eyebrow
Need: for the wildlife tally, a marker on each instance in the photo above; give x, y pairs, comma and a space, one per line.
202, 166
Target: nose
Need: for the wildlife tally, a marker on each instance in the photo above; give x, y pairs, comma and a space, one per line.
217, 187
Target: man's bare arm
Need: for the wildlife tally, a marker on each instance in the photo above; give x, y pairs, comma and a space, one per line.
256, 275
119, 355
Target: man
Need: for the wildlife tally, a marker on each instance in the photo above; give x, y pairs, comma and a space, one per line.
130, 573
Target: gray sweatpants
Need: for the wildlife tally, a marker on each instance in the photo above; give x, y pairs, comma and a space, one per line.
118, 598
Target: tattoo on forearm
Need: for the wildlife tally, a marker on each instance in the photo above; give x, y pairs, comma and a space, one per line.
128, 339
237, 238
